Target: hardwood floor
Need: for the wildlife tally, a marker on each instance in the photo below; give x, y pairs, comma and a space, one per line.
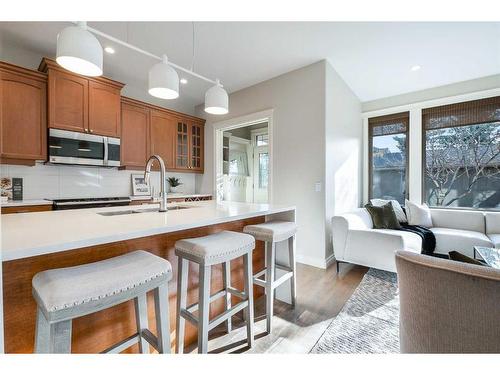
321, 294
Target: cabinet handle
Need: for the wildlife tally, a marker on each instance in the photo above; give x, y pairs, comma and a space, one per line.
91, 131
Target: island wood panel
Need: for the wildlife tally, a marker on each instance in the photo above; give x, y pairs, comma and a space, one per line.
23, 209
95, 332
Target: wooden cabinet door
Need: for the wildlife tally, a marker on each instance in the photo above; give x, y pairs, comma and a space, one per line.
23, 120
68, 101
196, 138
182, 160
134, 136
104, 109
162, 137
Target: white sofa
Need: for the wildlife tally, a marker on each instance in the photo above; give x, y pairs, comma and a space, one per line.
355, 240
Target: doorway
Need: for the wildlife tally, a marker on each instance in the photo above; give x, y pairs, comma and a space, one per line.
243, 159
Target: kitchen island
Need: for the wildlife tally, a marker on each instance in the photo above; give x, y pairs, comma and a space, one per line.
33, 242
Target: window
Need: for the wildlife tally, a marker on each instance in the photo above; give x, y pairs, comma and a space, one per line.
388, 156
262, 139
462, 154
263, 170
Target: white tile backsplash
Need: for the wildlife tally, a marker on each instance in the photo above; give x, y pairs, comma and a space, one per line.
45, 181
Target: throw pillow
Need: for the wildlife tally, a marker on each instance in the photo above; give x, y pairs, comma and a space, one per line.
455, 255
418, 214
398, 210
383, 217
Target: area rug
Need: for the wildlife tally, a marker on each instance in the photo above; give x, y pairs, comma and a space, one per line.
369, 321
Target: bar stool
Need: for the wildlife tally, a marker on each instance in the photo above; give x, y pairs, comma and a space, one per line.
64, 294
271, 233
218, 248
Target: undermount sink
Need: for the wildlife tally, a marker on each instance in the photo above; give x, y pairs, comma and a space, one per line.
140, 211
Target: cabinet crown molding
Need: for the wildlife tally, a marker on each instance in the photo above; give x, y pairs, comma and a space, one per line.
47, 64
8, 67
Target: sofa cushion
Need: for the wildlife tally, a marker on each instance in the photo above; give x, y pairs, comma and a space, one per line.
383, 217
492, 222
458, 219
418, 214
398, 210
463, 241
495, 238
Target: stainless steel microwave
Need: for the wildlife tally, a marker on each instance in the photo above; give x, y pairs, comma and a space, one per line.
66, 147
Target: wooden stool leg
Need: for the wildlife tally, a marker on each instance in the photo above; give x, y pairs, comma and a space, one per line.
141, 318
247, 266
203, 308
226, 276
182, 285
60, 337
293, 266
162, 318
42, 333
271, 263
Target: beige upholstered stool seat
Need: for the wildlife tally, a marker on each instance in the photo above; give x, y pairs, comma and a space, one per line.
272, 231
68, 290
215, 248
64, 294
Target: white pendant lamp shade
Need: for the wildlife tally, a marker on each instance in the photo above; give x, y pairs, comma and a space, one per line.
216, 100
163, 80
79, 51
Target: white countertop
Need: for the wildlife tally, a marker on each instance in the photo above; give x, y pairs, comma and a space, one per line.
30, 234
27, 202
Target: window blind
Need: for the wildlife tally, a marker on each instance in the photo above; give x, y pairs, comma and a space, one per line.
461, 114
389, 124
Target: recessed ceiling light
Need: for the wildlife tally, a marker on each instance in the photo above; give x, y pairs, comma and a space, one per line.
110, 50
184, 81
414, 68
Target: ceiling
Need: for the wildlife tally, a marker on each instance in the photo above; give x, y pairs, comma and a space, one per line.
374, 58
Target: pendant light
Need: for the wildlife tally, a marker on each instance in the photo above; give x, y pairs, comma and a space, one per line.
163, 80
79, 51
216, 100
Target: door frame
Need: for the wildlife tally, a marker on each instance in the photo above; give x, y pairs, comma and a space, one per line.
240, 122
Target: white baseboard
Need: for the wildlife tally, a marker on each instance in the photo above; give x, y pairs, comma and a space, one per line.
315, 262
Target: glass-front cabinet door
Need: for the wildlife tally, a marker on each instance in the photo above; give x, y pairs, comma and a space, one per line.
196, 150
182, 146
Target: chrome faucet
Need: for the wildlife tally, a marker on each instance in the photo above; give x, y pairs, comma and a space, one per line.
163, 182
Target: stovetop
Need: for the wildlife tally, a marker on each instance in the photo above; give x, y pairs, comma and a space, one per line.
91, 200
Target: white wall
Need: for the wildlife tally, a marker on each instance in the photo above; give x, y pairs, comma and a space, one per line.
343, 147
60, 181
298, 100
312, 106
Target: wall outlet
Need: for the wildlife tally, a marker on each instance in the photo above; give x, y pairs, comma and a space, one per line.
317, 187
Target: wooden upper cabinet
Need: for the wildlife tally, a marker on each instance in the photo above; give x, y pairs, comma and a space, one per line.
162, 137
197, 146
68, 101
182, 145
23, 116
135, 120
104, 109
82, 104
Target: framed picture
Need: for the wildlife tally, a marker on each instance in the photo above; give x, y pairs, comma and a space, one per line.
139, 186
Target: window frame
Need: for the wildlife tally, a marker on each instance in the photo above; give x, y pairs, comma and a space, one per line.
424, 160
370, 154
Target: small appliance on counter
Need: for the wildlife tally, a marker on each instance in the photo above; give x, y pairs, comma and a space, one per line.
74, 203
